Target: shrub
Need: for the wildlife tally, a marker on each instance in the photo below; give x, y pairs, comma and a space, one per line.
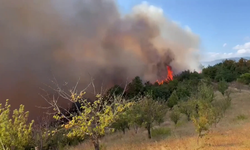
244, 78
222, 86
241, 117
15, 131
161, 132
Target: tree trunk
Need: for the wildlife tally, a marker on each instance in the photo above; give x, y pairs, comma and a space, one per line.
149, 131
96, 144
136, 129
123, 130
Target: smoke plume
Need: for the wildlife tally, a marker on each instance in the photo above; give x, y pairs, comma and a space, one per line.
66, 39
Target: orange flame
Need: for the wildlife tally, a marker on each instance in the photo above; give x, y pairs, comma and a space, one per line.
169, 77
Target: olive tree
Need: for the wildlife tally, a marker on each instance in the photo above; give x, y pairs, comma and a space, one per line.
148, 111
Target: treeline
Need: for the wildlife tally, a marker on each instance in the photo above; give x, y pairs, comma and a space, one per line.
140, 105
229, 70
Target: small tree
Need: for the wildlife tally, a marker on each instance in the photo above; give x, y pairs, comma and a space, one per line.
15, 131
95, 119
204, 116
147, 111
175, 115
122, 122
205, 92
220, 107
222, 86
188, 108
203, 119
173, 100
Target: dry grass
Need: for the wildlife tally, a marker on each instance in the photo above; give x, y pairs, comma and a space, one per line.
231, 133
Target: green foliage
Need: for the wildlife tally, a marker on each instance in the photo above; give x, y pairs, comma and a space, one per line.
146, 112
208, 110
219, 108
228, 70
244, 78
204, 118
175, 115
205, 92
15, 131
222, 86
56, 139
173, 100
95, 119
161, 132
188, 108
241, 117
185, 89
116, 90
135, 88
122, 122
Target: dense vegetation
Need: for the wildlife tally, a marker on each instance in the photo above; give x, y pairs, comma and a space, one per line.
140, 105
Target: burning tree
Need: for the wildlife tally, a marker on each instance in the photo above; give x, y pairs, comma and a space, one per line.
169, 76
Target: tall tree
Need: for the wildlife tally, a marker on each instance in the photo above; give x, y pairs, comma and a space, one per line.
135, 88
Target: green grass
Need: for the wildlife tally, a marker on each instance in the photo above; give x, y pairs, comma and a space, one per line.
241, 117
161, 132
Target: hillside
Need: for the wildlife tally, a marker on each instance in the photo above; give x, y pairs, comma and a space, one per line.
232, 133
214, 62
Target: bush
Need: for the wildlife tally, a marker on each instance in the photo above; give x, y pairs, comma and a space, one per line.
57, 139
161, 132
244, 78
15, 131
222, 86
241, 117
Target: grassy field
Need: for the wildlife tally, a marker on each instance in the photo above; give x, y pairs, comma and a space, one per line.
232, 133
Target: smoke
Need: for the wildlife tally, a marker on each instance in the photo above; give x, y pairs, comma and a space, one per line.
79, 38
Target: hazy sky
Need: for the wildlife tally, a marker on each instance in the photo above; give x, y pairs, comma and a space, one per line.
223, 25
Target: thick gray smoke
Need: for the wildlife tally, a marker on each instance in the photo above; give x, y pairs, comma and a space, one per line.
77, 38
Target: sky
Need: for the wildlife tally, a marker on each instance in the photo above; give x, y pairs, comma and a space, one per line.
223, 25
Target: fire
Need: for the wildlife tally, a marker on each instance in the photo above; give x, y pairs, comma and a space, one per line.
169, 76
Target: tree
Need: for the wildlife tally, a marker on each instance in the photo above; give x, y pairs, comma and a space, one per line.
148, 111
15, 131
93, 119
188, 108
173, 100
205, 92
135, 88
222, 86
175, 115
204, 118
122, 122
